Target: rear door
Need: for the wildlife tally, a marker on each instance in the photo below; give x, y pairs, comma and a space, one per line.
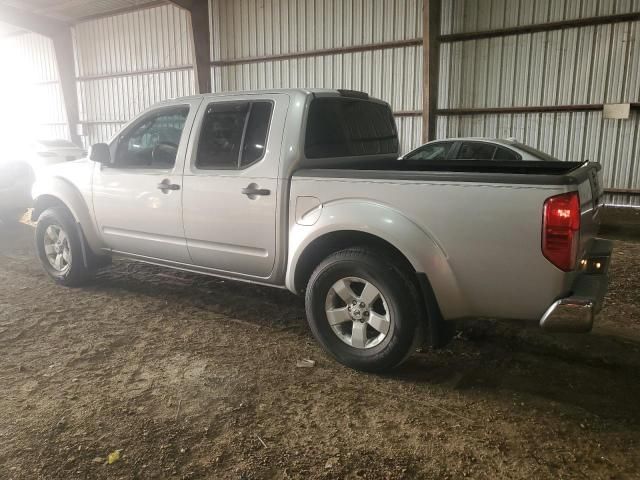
231, 183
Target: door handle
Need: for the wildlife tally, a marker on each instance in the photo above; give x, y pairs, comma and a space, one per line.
165, 186
252, 191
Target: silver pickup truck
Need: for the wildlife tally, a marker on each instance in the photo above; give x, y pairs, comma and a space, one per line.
303, 189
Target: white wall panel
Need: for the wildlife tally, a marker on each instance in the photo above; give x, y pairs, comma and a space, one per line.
410, 133
472, 15
256, 28
586, 65
128, 62
108, 103
250, 28
148, 39
393, 75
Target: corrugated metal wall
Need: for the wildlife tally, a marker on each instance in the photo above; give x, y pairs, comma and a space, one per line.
35, 83
243, 29
130, 61
587, 65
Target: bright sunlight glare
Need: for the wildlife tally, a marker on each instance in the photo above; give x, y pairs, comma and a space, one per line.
26, 105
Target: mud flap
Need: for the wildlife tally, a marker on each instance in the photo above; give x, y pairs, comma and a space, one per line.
439, 332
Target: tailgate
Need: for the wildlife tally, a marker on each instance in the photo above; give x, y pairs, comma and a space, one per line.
589, 179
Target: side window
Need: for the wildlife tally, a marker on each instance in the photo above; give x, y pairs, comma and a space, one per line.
153, 143
233, 135
434, 151
476, 151
506, 154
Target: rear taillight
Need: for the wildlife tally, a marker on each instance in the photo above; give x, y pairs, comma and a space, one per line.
561, 230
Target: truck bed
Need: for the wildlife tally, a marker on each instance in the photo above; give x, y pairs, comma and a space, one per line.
512, 172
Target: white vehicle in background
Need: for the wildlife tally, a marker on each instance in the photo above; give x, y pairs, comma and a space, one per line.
43, 153
16, 180
21, 164
476, 148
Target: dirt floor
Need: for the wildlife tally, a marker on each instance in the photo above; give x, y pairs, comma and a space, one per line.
194, 377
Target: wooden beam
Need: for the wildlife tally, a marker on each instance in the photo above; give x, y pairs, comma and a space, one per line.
527, 109
541, 27
430, 66
366, 47
622, 191
199, 11
407, 113
63, 48
132, 73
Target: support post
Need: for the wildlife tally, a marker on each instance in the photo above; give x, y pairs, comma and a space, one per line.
199, 10
430, 66
63, 48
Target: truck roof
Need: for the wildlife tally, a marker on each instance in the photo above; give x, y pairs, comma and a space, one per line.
294, 91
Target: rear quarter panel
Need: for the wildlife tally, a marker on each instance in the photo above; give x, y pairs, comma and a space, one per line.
488, 234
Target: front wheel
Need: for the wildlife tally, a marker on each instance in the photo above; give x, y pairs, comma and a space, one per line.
364, 310
59, 248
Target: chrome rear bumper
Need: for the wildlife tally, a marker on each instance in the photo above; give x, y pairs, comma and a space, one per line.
575, 313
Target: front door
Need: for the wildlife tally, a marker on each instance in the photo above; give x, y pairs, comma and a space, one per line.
231, 183
138, 199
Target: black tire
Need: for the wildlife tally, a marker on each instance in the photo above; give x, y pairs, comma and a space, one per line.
402, 300
77, 273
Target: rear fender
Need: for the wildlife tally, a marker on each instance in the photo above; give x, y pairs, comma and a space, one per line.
415, 243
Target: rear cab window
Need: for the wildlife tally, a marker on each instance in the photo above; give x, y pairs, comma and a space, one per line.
349, 127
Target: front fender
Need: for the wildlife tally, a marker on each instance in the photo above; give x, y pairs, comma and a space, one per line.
417, 244
46, 191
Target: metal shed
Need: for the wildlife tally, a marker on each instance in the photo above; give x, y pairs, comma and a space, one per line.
537, 70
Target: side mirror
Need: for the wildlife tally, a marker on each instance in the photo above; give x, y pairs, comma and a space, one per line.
100, 153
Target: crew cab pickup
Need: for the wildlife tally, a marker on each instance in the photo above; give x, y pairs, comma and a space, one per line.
303, 189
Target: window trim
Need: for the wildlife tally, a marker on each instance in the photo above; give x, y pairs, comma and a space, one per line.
155, 112
194, 164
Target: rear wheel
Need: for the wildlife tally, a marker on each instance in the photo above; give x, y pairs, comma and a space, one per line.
363, 310
59, 248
